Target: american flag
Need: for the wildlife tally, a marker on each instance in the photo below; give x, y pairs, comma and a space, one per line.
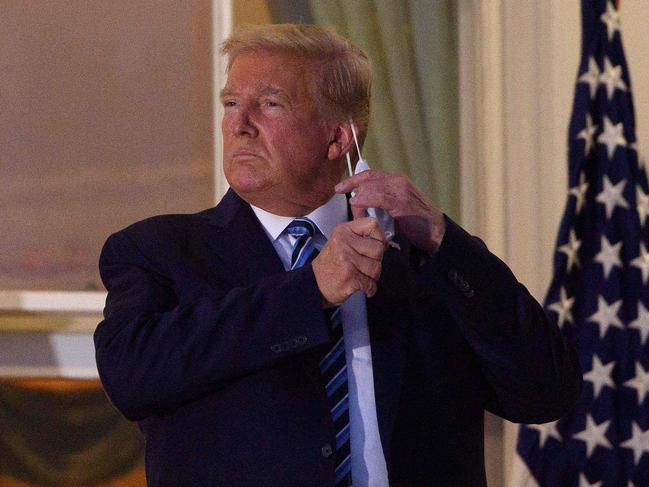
599, 294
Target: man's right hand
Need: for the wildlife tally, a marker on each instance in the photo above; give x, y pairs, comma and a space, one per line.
350, 261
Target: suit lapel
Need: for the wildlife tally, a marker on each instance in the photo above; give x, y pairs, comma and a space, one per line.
236, 236
387, 325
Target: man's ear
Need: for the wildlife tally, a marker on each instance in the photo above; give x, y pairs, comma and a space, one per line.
342, 141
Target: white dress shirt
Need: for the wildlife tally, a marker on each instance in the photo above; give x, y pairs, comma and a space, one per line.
368, 463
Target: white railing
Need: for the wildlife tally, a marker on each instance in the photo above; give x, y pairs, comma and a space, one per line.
49, 333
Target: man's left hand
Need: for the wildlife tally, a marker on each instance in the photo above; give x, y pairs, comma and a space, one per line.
415, 217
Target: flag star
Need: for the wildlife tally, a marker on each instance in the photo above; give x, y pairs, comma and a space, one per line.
570, 249
563, 308
609, 256
611, 77
587, 134
600, 375
642, 200
641, 323
594, 435
612, 20
579, 192
611, 196
591, 77
606, 316
639, 442
640, 382
547, 430
583, 482
611, 136
642, 263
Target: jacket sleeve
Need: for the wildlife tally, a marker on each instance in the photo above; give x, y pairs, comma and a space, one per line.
532, 372
153, 354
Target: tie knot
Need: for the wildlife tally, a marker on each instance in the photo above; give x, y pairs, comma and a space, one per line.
301, 227
304, 247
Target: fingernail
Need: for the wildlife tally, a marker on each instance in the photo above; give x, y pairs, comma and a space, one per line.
338, 186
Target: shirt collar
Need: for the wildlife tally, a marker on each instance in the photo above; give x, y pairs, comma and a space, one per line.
326, 217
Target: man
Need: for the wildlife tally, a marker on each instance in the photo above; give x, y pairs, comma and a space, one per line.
277, 340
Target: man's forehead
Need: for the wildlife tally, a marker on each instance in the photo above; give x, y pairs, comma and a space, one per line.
277, 74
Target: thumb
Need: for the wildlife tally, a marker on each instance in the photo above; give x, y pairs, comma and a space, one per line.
358, 212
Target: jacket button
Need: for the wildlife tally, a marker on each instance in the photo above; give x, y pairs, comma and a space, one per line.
469, 293
452, 275
327, 451
277, 348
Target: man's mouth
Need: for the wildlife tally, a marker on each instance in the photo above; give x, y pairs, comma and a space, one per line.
244, 154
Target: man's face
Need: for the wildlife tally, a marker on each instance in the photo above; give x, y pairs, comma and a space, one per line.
275, 142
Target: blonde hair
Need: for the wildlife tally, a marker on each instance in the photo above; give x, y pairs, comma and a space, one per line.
344, 73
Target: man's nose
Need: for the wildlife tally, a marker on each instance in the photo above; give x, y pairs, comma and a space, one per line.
244, 122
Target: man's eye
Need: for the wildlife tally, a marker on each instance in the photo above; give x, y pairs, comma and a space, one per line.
271, 103
229, 103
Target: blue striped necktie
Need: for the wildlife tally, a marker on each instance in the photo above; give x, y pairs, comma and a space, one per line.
333, 365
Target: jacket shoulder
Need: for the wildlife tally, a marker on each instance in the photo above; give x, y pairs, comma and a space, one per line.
155, 237
168, 225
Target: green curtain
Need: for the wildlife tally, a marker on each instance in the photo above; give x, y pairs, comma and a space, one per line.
64, 438
412, 44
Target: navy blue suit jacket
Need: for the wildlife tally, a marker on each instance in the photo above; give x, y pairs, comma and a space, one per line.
213, 348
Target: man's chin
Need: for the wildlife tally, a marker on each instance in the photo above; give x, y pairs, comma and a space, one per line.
245, 185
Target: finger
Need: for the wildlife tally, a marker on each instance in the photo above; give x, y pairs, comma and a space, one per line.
365, 284
372, 290
359, 212
370, 268
368, 247
357, 179
373, 199
367, 227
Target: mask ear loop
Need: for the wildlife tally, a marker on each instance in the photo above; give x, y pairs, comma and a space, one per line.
384, 215
358, 149
349, 164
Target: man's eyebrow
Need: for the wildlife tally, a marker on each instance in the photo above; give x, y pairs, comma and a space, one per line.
271, 90
225, 92
261, 89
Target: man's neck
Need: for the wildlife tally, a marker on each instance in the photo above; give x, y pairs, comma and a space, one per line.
294, 207
326, 217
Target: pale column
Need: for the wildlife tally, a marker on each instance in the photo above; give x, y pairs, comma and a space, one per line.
221, 28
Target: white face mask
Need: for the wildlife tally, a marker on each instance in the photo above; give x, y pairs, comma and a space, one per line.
383, 217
